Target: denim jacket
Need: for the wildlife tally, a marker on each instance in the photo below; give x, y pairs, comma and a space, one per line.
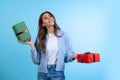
65, 51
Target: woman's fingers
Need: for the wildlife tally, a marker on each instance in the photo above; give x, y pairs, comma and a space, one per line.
27, 42
74, 56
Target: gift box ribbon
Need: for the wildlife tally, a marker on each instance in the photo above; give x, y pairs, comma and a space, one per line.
22, 32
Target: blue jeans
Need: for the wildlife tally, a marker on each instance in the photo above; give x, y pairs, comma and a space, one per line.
52, 74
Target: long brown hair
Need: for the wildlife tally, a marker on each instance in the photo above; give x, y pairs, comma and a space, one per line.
43, 31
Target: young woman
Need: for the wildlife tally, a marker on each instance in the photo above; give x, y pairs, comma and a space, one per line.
52, 49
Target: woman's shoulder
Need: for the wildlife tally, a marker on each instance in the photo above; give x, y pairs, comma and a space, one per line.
63, 34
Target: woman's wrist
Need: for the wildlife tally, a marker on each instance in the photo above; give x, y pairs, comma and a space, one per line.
32, 46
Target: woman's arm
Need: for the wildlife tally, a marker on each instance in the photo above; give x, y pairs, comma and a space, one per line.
34, 54
70, 54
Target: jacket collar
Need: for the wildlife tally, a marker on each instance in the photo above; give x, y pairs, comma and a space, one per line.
60, 32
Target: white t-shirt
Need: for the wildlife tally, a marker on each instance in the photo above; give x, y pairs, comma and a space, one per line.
51, 48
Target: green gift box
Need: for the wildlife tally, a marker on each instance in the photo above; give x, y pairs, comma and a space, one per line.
21, 32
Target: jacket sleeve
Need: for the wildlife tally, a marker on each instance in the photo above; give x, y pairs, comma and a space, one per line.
69, 49
35, 54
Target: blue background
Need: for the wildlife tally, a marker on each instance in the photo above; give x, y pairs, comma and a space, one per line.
93, 25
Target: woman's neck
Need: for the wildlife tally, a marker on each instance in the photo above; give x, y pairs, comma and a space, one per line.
50, 30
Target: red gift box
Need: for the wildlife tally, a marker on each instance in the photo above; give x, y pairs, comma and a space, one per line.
88, 57
80, 57
96, 57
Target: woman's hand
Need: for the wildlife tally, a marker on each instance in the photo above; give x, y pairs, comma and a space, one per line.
74, 56
29, 43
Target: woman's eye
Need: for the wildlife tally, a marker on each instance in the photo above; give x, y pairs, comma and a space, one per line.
50, 16
45, 18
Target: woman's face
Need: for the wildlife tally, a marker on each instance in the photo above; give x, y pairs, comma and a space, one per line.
47, 20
